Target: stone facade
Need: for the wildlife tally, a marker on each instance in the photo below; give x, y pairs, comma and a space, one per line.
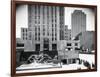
69, 50
45, 28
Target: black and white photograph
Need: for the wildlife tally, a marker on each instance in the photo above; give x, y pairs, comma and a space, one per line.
54, 38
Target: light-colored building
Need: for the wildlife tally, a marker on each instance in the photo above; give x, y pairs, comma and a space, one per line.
45, 28
24, 33
67, 33
78, 22
69, 51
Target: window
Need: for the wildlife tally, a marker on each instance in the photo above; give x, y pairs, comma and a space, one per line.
48, 33
37, 47
39, 38
52, 25
55, 14
30, 36
52, 30
55, 25
35, 28
20, 45
43, 14
35, 17
35, 21
73, 61
47, 9
54, 47
52, 10
35, 38
76, 48
38, 21
39, 33
52, 38
55, 34
68, 44
43, 33
35, 9
69, 49
23, 30
55, 38
52, 34
52, 20
39, 28
23, 34
39, 10
55, 30
76, 44
35, 33
55, 10
39, 16
43, 29
26, 30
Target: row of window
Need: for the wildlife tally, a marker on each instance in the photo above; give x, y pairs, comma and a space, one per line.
25, 30
25, 38
47, 25
70, 44
48, 21
37, 13
70, 49
46, 46
38, 38
38, 8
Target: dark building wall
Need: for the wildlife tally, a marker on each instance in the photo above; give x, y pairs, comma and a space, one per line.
87, 40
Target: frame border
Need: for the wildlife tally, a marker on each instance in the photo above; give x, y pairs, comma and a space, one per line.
13, 37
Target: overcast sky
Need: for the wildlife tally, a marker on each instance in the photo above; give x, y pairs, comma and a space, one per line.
22, 18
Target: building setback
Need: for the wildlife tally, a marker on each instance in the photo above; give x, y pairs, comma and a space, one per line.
78, 22
45, 28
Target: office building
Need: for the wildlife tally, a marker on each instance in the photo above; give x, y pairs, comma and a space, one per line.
45, 28
78, 22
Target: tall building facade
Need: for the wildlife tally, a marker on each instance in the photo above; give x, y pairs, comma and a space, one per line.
45, 28
78, 22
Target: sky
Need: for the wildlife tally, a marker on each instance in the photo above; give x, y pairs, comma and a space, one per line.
22, 18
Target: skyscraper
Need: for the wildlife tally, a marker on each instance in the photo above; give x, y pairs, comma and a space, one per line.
45, 27
78, 22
